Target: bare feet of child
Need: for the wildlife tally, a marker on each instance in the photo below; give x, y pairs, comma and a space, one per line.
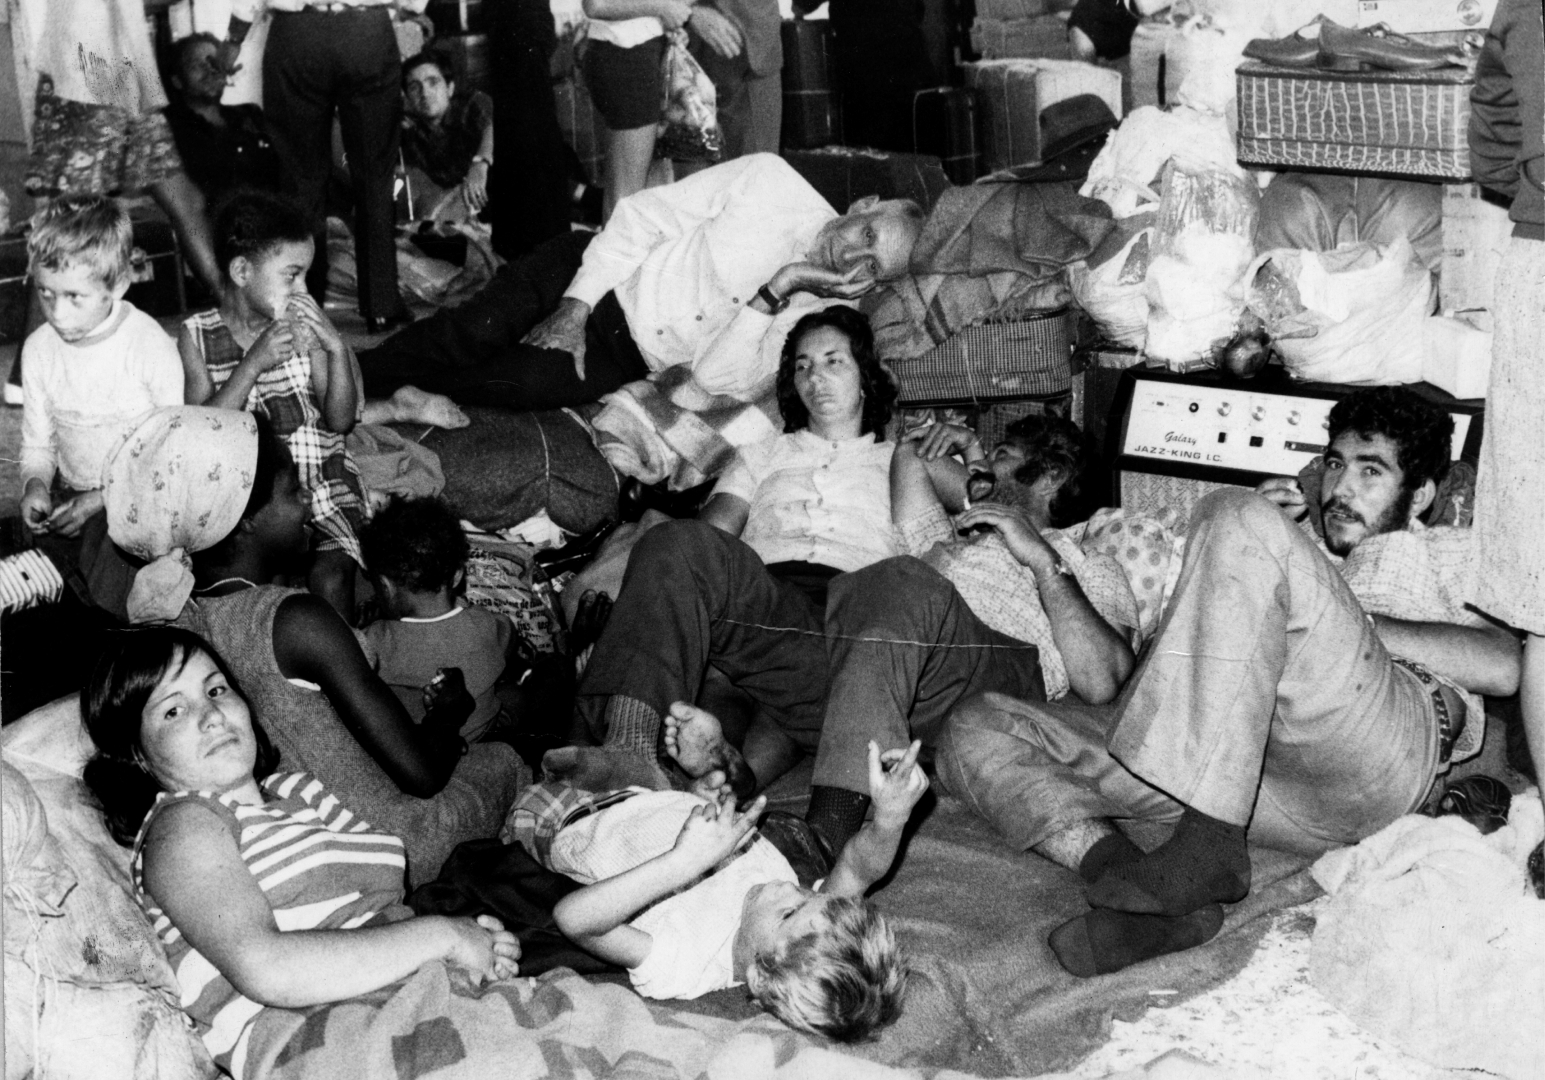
410, 405
695, 741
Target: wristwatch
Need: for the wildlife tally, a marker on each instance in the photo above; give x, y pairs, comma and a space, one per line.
775, 303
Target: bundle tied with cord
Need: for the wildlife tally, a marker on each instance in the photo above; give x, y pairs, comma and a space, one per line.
175, 485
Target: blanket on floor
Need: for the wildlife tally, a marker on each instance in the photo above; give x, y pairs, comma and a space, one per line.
987, 251
1433, 939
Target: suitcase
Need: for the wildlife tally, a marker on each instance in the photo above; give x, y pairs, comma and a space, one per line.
1476, 233
1029, 356
810, 116
944, 124
1043, 36
1012, 93
843, 175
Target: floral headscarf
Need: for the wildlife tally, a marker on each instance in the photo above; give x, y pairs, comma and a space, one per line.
177, 484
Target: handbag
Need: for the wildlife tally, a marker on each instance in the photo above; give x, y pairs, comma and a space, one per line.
689, 124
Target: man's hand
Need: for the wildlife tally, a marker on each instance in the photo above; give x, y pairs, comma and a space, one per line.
714, 829
938, 440
717, 31
819, 281
1287, 493
564, 331
1020, 535
896, 783
474, 187
36, 505
225, 56
69, 519
673, 14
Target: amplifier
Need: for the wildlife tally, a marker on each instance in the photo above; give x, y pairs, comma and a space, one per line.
1174, 438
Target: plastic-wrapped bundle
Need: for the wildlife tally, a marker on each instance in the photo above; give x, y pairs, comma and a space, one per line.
689, 126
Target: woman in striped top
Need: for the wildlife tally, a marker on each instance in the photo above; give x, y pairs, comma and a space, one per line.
264, 892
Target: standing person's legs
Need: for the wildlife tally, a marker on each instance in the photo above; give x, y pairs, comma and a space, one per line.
529, 189
298, 81
764, 106
629, 153
370, 115
626, 88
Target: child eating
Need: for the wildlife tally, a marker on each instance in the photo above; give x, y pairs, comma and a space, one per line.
417, 556
95, 367
680, 891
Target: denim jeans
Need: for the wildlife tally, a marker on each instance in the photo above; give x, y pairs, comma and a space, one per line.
1266, 699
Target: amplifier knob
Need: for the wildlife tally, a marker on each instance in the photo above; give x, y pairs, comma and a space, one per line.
1258, 412
1295, 416
1225, 409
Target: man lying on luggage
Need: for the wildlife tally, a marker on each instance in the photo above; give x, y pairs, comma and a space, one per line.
711, 272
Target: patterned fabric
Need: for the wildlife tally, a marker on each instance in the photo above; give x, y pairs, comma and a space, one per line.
320, 867
1510, 496
177, 484
78, 148
1149, 550
544, 808
1003, 593
693, 931
284, 395
815, 501
644, 432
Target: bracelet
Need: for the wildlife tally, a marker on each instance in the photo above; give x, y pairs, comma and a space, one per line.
775, 303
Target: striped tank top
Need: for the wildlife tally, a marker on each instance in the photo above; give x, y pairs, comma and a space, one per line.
321, 868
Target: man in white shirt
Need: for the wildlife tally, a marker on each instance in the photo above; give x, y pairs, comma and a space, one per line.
711, 272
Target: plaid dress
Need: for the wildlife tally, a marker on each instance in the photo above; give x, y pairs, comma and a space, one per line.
283, 394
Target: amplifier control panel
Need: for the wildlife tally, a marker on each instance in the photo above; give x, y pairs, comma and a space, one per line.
1228, 427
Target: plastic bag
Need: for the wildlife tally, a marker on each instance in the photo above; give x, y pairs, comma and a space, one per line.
1112, 294
1353, 315
689, 126
1202, 248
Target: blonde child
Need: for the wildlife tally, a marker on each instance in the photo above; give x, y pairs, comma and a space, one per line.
681, 893
268, 348
95, 367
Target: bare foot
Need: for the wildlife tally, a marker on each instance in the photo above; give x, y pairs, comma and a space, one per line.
414, 406
713, 784
694, 740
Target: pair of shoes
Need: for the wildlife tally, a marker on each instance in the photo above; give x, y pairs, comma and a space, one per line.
1334, 47
797, 842
380, 324
1481, 800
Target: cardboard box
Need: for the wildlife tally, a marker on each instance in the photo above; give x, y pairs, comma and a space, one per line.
1426, 16
1475, 234
1012, 93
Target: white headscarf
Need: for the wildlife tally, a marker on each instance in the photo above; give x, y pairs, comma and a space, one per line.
177, 484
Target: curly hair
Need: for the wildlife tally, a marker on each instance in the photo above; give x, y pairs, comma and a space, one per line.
1422, 433
874, 379
82, 230
416, 544
1051, 443
845, 981
249, 224
442, 62
113, 705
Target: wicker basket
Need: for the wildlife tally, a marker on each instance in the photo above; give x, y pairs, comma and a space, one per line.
1030, 356
1412, 123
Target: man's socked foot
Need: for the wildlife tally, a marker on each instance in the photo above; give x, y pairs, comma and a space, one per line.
602, 768
1204, 862
1102, 941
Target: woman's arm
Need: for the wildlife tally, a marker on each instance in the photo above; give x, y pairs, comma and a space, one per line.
312, 642
272, 348
727, 513
195, 873
336, 383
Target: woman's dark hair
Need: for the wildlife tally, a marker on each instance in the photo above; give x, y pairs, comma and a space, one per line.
113, 704
273, 459
417, 544
873, 378
1053, 443
250, 223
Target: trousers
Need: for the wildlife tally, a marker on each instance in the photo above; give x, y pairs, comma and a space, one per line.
1266, 699
893, 651
473, 353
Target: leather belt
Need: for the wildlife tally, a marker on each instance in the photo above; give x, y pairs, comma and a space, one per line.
1448, 729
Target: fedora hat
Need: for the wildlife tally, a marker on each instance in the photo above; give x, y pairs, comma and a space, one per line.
1073, 131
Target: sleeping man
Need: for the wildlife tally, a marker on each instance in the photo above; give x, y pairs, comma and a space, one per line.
1286, 698
710, 272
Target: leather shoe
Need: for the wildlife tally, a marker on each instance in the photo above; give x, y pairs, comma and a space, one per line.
800, 844
1290, 51
1379, 47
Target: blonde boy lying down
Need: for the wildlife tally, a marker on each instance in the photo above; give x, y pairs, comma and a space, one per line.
682, 891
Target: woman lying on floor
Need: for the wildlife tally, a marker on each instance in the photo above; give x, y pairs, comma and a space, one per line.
208, 482
270, 896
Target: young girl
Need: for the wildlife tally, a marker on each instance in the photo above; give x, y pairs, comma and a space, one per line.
269, 349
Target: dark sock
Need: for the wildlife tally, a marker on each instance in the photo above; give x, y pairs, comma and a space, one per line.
1104, 941
633, 726
1204, 862
1108, 851
836, 814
